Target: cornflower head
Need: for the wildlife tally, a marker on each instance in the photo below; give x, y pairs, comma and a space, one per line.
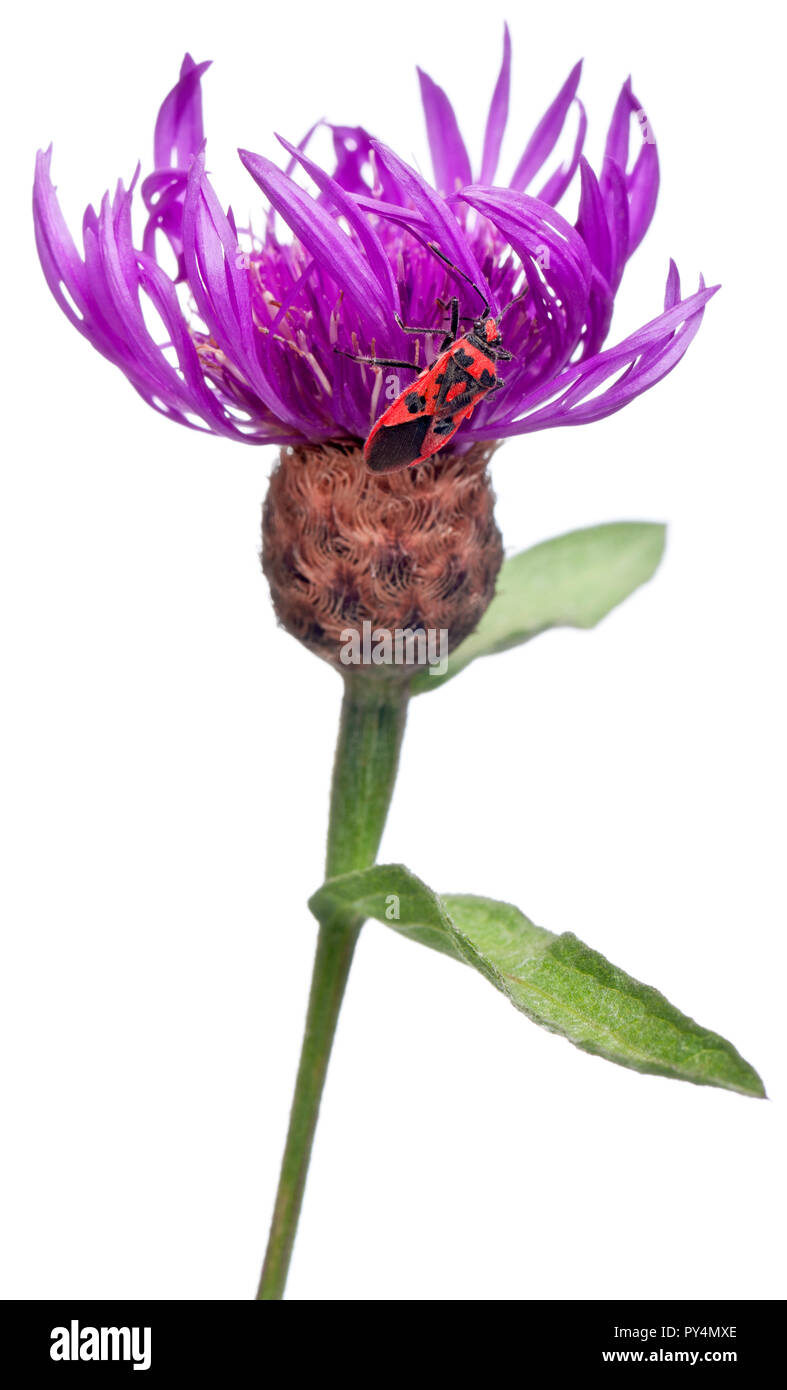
255, 329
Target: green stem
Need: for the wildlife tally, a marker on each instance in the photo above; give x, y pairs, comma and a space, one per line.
367, 755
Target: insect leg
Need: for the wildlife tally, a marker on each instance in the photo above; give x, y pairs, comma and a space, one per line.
378, 361
450, 336
408, 328
444, 305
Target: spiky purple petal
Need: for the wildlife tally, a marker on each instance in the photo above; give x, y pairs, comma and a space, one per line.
345, 206
547, 132
450, 160
642, 183
558, 182
498, 116
436, 214
318, 230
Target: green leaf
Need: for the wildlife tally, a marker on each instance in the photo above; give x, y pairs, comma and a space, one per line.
571, 581
557, 981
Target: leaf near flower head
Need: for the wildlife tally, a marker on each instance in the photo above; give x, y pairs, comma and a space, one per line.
572, 581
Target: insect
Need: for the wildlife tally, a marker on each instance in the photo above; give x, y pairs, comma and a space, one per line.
429, 412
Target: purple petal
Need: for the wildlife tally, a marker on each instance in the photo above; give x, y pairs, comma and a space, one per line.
347, 207
498, 116
438, 220
59, 258
617, 145
636, 364
599, 316
558, 182
288, 169
394, 212
320, 233
538, 234
163, 193
106, 291
353, 148
163, 296
672, 292
178, 136
642, 184
614, 194
593, 226
299, 149
547, 132
220, 285
179, 132
592, 222
643, 191
157, 379
449, 156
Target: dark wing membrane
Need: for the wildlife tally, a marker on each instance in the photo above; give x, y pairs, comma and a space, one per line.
394, 446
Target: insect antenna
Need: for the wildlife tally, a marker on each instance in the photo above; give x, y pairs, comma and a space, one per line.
511, 303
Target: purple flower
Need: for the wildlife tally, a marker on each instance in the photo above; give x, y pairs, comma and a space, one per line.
247, 324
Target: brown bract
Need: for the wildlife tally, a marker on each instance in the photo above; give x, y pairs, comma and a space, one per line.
417, 549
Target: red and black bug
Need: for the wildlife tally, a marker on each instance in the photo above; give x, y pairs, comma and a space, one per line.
429, 412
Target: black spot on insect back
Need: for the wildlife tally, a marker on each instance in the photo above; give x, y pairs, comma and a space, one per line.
414, 402
463, 358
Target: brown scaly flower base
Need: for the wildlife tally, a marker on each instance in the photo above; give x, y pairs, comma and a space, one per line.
415, 549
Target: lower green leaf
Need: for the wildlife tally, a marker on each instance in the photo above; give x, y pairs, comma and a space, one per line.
557, 981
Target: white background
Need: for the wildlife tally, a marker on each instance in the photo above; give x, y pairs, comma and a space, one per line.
167, 750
